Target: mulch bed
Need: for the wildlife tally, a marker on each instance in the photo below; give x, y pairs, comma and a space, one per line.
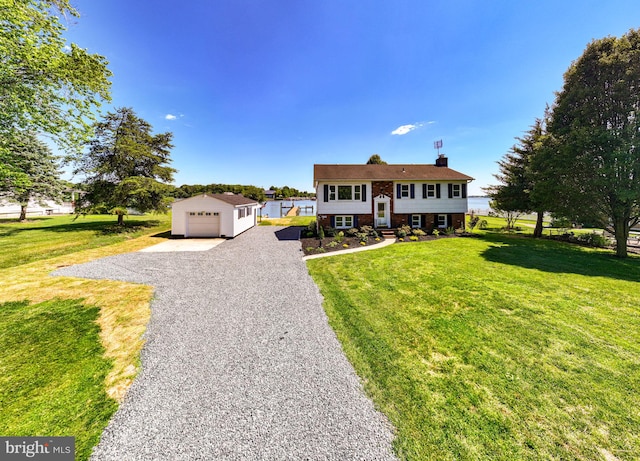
312, 245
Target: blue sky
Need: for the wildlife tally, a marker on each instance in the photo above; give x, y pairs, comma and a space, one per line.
256, 92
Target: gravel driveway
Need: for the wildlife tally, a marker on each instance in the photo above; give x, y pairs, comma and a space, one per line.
239, 361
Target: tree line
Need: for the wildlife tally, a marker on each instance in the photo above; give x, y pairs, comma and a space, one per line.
581, 160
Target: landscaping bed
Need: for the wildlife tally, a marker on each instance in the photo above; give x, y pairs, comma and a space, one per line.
335, 240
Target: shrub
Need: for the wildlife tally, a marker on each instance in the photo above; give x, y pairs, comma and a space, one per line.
309, 249
311, 229
320, 250
321, 233
418, 232
593, 239
362, 236
414, 238
560, 222
449, 231
339, 237
403, 231
332, 244
329, 231
352, 232
436, 232
483, 224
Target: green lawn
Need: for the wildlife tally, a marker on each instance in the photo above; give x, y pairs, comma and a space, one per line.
52, 372
494, 347
21, 243
69, 348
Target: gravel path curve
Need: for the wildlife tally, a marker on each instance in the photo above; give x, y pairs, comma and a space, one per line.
239, 361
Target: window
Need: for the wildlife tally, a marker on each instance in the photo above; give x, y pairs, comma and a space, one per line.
431, 190
241, 212
416, 220
456, 191
344, 222
249, 211
345, 192
442, 220
404, 190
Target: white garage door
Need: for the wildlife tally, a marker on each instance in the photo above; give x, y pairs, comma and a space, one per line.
203, 224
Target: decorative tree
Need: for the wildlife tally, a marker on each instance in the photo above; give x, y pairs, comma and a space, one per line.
126, 166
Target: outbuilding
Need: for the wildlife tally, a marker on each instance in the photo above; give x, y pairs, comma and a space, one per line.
213, 215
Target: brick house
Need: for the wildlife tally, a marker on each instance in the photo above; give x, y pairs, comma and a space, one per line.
389, 196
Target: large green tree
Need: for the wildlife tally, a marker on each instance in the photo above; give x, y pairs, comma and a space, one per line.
126, 166
376, 160
47, 85
595, 134
518, 177
38, 168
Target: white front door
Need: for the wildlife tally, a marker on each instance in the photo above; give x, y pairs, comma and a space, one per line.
381, 208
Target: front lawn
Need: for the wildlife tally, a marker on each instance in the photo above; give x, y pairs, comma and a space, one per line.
497, 347
69, 347
53, 371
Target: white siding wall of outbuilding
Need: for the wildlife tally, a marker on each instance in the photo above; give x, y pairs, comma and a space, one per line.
215, 215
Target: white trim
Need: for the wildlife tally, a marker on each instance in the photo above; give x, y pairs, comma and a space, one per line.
386, 220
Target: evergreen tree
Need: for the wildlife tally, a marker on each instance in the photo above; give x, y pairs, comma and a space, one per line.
126, 166
37, 167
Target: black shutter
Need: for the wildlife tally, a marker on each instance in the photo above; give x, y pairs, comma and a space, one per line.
424, 191
355, 221
398, 191
363, 192
412, 190
464, 191
422, 221
437, 190
449, 220
450, 190
326, 194
332, 220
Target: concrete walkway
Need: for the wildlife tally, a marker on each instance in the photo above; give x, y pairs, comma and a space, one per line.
239, 362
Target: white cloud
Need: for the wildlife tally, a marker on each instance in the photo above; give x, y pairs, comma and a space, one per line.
170, 117
404, 129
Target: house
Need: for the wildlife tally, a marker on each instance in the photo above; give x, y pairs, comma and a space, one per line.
390, 196
268, 193
213, 215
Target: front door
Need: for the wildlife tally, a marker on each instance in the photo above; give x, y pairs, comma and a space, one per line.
382, 213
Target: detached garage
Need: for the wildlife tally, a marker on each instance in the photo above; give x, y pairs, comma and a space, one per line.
213, 215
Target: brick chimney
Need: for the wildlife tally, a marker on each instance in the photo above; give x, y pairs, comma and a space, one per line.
442, 160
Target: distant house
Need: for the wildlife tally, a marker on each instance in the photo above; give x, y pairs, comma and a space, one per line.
270, 193
213, 215
389, 196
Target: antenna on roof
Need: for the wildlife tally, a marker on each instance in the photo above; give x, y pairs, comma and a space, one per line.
437, 145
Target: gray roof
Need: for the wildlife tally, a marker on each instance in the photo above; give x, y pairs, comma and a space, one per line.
235, 200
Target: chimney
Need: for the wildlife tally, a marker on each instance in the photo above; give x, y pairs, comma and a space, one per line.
442, 160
